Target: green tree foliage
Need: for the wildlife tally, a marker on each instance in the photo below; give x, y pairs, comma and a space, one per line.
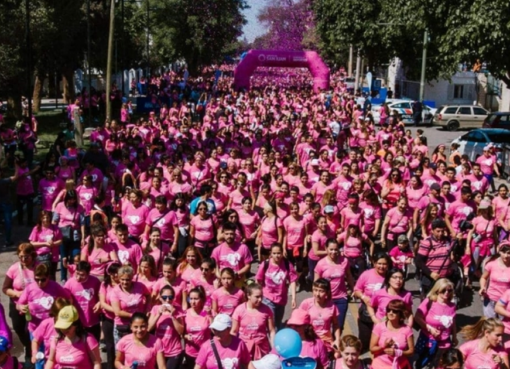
200, 31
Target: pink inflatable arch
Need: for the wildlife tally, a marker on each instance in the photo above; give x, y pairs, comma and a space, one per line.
282, 59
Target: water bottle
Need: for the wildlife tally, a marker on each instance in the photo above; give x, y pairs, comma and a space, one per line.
134, 365
28, 316
76, 235
39, 356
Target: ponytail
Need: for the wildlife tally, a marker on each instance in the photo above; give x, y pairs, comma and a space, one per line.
474, 331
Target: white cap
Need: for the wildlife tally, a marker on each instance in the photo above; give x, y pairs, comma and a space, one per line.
270, 361
314, 162
221, 322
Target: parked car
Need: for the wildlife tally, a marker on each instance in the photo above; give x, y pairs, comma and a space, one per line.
453, 117
350, 82
404, 107
500, 119
473, 142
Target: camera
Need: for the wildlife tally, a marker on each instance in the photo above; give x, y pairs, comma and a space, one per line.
466, 224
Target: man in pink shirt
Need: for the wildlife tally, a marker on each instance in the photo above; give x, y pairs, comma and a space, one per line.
478, 180
459, 210
85, 289
128, 251
232, 254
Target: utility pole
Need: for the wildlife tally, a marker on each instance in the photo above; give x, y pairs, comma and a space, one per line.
88, 64
122, 51
147, 41
29, 58
424, 64
109, 61
351, 56
358, 67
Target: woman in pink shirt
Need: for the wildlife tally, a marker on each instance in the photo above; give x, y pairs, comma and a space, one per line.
392, 340
483, 347
170, 278
156, 247
371, 213
397, 221
436, 318
393, 289
270, 231
46, 238
352, 241
203, 230
134, 215
189, 264
147, 272
86, 194
97, 252
322, 186
323, 314
495, 279
312, 346
350, 351
17, 278
250, 222
205, 277
74, 347
277, 275
415, 191
228, 297
140, 346
392, 190
167, 320
369, 282
196, 323
318, 249
254, 322
127, 298
335, 268
500, 205
111, 279
295, 227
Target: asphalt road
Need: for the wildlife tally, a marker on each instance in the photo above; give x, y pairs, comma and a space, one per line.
465, 315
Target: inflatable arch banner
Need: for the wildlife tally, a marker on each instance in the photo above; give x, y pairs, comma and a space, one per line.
282, 59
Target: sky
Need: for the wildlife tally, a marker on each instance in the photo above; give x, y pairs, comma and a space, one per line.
253, 29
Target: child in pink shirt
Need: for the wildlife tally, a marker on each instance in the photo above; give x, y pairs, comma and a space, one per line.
228, 297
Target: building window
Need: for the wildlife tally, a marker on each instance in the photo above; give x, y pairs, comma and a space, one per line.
458, 91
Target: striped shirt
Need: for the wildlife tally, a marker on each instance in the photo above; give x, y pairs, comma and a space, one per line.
437, 253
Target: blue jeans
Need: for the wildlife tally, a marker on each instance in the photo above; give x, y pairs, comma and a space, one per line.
6, 210
341, 305
66, 251
278, 312
311, 269
39, 364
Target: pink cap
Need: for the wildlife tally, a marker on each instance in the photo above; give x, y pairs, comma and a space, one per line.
299, 317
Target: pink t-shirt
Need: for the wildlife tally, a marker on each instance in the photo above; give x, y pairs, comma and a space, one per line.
86, 196
198, 327
335, 274
400, 256
249, 221
398, 222
415, 195
166, 332
204, 230
505, 300
499, 279
135, 218
131, 302
295, 230
107, 292
234, 356
369, 282
321, 238
49, 191
400, 338
235, 257
103, 253
353, 246
486, 164
129, 253
500, 206
69, 216
21, 277
179, 286
474, 358
269, 230
441, 317
321, 319
52, 233
86, 296
253, 325
382, 298
74, 355
351, 217
371, 213
458, 211
485, 228
39, 301
45, 333
227, 302
275, 279
145, 355
165, 222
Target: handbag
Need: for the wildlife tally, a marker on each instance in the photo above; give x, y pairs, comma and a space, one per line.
67, 231
216, 355
426, 348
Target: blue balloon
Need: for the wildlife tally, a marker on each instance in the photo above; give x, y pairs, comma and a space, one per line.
288, 343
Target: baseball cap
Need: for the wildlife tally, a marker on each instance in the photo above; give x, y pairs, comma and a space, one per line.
270, 361
484, 204
328, 209
4, 344
402, 239
299, 317
435, 186
314, 162
66, 317
221, 322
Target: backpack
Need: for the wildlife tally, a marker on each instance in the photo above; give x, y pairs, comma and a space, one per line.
266, 265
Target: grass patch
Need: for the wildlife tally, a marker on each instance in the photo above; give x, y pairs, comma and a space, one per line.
50, 124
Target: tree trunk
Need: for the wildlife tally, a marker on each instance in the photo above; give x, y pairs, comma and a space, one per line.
14, 105
68, 86
38, 89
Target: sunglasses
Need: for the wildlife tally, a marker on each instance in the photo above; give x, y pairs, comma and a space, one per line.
167, 297
447, 290
394, 311
40, 280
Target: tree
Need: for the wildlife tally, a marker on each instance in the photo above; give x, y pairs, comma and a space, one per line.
290, 25
200, 31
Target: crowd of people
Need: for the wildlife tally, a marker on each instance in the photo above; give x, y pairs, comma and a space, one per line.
181, 238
